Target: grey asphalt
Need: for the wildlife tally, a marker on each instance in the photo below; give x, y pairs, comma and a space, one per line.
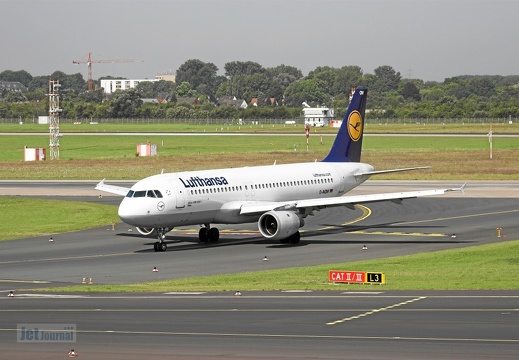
378, 325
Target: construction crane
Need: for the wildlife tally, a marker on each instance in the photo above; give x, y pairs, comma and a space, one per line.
89, 63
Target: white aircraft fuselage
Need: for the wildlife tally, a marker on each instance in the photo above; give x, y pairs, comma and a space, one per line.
216, 196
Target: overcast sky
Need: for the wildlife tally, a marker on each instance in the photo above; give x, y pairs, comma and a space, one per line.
425, 39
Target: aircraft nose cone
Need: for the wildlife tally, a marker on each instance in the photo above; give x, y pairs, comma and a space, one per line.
126, 212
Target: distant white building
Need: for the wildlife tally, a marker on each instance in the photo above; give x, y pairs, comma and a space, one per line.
12, 86
319, 117
112, 85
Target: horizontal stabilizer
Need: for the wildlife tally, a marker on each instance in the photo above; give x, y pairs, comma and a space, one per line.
369, 173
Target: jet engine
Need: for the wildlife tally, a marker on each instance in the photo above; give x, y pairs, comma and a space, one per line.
279, 224
150, 232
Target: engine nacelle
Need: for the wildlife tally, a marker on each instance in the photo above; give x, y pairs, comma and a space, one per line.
279, 224
150, 232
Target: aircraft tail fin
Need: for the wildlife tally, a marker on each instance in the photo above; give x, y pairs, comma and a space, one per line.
348, 142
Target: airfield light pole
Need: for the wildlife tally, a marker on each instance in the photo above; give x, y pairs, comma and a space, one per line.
490, 140
54, 113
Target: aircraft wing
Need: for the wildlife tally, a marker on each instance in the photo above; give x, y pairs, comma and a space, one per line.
118, 190
348, 201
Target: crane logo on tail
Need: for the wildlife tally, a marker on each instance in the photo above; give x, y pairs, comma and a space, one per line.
355, 125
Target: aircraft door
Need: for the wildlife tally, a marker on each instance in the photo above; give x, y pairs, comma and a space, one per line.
180, 196
249, 191
342, 181
342, 184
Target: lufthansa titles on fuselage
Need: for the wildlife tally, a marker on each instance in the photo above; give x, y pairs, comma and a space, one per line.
322, 175
196, 181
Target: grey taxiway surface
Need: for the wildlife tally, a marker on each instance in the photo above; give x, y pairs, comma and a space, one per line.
338, 324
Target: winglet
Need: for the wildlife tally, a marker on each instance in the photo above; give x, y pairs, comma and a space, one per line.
118, 190
461, 188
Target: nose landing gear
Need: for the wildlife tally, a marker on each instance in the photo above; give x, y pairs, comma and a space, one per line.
161, 245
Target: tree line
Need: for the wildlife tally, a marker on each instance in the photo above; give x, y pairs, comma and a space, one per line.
280, 92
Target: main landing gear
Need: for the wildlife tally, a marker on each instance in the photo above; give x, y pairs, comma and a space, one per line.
208, 234
292, 239
161, 245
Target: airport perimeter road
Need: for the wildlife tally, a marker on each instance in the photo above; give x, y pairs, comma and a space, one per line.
324, 325
492, 189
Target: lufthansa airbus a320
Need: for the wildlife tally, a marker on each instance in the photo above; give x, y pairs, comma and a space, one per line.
277, 197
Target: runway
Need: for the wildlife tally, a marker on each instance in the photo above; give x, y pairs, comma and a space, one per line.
328, 325
322, 325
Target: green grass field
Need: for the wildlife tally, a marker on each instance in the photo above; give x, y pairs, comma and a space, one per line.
60, 216
85, 147
470, 126
485, 267
114, 156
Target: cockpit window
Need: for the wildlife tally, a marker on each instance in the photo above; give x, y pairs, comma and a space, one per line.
138, 194
144, 193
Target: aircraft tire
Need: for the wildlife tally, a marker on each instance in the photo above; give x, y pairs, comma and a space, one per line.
203, 234
213, 234
163, 246
294, 239
156, 246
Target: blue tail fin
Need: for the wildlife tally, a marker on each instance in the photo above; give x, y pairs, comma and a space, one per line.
348, 142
